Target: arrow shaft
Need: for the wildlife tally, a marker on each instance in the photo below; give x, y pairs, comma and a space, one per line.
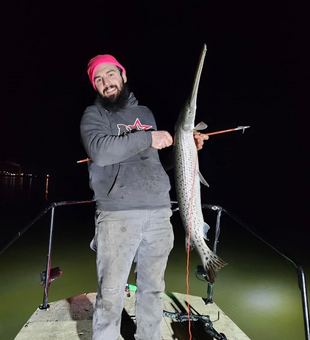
206, 134
84, 160
229, 130
218, 132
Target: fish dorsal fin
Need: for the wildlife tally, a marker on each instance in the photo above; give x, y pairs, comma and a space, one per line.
202, 180
200, 126
206, 228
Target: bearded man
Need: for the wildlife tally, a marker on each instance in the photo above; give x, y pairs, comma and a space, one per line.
131, 190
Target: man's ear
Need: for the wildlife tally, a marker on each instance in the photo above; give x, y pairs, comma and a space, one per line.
124, 78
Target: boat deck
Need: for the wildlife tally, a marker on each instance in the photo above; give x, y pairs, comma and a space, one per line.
71, 319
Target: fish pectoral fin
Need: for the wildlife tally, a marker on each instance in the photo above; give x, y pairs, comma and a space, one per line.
205, 229
200, 126
202, 180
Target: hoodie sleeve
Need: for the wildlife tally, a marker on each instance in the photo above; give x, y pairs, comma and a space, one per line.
103, 147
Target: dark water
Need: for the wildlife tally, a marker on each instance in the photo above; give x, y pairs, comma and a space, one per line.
258, 289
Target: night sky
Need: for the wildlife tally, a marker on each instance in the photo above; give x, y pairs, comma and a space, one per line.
256, 73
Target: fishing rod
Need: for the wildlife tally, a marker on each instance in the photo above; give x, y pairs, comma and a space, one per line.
206, 134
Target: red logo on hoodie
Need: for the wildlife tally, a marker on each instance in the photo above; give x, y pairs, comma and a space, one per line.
137, 126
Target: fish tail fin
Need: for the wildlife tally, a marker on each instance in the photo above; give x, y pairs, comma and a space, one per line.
212, 266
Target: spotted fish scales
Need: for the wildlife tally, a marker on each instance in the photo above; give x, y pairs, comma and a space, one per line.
188, 178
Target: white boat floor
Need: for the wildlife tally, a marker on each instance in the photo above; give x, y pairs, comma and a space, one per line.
71, 319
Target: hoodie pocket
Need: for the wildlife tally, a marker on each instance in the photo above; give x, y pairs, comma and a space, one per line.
140, 181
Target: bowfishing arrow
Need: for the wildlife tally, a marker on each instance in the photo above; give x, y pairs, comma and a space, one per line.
229, 130
84, 160
205, 134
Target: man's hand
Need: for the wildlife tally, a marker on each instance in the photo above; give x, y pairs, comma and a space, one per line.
199, 139
161, 139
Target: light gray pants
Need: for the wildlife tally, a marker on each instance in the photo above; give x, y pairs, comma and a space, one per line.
142, 236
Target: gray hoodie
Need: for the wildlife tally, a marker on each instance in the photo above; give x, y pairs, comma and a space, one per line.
125, 172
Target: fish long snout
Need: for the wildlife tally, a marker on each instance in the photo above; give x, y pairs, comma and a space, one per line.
193, 96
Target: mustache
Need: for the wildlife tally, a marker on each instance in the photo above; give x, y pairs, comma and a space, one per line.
111, 87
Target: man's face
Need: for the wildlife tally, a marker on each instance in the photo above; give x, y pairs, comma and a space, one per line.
109, 81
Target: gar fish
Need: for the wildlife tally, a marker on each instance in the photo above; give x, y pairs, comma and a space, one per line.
188, 178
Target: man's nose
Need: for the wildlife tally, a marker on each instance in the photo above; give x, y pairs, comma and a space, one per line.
106, 82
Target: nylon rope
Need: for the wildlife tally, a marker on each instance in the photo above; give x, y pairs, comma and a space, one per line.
188, 249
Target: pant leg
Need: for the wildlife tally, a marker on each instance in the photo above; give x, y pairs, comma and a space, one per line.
151, 260
118, 235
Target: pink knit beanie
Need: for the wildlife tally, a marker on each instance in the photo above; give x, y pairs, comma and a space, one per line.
98, 60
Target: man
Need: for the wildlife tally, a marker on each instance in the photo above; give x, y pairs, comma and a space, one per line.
131, 190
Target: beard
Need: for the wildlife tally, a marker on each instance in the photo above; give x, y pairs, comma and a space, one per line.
115, 103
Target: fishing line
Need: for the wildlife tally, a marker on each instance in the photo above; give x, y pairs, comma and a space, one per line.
188, 249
